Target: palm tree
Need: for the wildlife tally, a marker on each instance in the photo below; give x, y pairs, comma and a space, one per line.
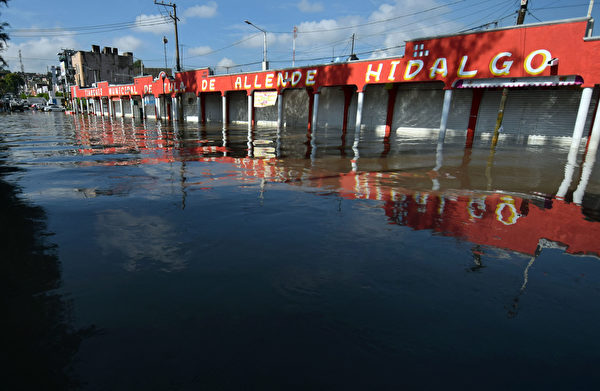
3, 37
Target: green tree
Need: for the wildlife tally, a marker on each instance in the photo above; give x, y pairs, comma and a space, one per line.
12, 82
3, 37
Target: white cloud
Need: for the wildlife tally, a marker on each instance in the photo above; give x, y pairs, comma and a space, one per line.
127, 43
307, 6
225, 63
37, 53
199, 51
156, 24
202, 11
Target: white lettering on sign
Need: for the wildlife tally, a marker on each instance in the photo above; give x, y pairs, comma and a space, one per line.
310, 77
505, 70
409, 74
281, 80
546, 56
296, 76
461, 68
440, 67
269, 80
392, 76
371, 72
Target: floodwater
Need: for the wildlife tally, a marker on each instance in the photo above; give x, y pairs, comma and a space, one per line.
155, 256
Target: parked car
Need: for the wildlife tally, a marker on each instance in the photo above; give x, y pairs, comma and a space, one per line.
53, 108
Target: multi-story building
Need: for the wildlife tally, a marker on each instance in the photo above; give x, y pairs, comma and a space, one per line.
108, 65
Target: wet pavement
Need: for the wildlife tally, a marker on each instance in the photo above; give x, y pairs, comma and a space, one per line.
185, 257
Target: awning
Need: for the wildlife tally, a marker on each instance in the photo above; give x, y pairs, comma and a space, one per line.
545, 81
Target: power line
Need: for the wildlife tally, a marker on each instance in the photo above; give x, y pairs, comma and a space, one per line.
81, 30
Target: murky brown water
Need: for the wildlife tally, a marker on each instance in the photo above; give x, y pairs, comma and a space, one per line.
177, 256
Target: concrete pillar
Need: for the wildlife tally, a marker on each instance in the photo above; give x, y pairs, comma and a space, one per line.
111, 108
224, 107
359, 110
250, 111
121, 106
279, 110
101, 107
157, 107
81, 105
131, 106
175, 109
143, 108
584, 104
445, 114
315, 113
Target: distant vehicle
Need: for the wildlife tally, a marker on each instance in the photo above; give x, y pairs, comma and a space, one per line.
53, 108
16, 105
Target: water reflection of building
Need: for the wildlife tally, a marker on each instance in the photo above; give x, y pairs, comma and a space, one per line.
510, 221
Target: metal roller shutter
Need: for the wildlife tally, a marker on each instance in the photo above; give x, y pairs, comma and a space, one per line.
544, 112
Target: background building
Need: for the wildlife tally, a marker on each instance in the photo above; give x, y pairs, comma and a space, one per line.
108, 65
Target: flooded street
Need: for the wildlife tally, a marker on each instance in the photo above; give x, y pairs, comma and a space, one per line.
174, 256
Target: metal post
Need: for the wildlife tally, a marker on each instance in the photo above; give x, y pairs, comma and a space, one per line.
445, 113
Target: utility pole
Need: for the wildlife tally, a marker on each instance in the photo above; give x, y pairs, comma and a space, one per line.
520, 20
174, 17
522, 12
294, 47
352, 55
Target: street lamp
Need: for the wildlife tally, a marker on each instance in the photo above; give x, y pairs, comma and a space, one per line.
265, 63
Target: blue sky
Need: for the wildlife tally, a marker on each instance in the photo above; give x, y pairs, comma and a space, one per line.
213, 33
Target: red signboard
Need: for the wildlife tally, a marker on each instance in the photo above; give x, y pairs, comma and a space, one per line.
518, 52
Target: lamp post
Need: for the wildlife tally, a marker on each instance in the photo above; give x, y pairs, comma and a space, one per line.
265, 63
165, 40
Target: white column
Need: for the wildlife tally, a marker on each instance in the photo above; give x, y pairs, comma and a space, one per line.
143, 108
279, 110
250, 111
101, 107
111, 108
81, 105
224, 107
359, 110
121, 107
131, 105
584, 104
315, 113
157, 105
174, 109
590, 159
445, 113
